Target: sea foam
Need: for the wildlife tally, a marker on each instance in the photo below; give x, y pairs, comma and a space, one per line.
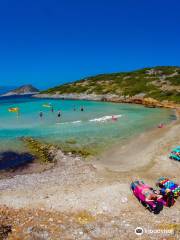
105, 118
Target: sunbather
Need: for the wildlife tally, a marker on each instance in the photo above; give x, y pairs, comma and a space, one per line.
151, 195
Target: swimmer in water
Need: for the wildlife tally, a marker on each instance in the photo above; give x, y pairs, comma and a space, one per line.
59, 114
161, 125
41, 115
52, 109
114, 118
82, 109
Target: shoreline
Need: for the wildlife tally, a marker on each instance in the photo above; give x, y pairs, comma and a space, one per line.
113, 151
133, 156
97, 160
147, 102
136, 153
81, 199
101, 160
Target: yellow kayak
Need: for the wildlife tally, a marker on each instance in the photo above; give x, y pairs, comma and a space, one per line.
47, 105
16, 109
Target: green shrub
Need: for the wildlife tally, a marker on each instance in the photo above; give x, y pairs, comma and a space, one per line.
125, 83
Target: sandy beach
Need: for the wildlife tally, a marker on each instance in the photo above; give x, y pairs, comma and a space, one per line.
138, 152
100, 187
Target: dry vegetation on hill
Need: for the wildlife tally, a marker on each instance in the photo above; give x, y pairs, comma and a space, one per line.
161, 83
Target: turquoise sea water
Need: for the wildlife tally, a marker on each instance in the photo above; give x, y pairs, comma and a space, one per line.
86, 128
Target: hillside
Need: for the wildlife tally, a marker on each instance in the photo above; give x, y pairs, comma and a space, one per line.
161, 83
25, 89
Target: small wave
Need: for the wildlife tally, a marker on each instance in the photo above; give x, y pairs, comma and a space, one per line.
101, 119
62, 123
74, 122
105, 118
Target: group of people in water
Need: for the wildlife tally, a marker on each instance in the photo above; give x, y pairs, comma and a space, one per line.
81, 108
41, 114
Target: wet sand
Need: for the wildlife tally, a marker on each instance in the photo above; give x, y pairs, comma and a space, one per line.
138, 152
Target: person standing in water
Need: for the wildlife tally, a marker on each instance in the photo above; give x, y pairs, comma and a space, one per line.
41, 115
82, 109
52, 109
114, 118
59, 114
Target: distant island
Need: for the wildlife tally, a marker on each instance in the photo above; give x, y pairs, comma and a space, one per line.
156, 83
23, 90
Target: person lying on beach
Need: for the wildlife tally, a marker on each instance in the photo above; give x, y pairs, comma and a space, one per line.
151, 195
168, 186
178, 154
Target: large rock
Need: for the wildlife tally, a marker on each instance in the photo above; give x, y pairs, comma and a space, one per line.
23, 90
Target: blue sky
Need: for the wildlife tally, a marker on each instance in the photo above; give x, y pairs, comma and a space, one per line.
47, 43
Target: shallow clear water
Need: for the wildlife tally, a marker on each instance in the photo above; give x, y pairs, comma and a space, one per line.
134, 119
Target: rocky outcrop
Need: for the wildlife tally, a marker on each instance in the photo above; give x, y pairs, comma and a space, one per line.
42, 152
137, 99
23, 90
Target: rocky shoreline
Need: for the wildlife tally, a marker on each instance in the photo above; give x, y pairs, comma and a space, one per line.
137, 99
21, 91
